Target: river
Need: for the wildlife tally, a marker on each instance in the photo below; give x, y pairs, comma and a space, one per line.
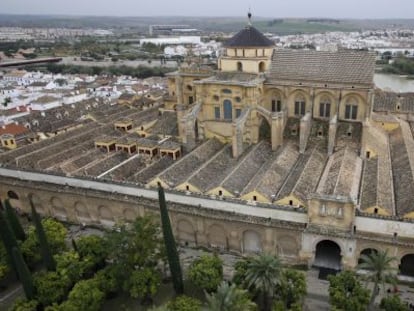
71, 60
393, 82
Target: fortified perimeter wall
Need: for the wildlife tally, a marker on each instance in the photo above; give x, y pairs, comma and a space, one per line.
200, 221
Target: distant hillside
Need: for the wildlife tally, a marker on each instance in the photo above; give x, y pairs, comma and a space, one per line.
207, 24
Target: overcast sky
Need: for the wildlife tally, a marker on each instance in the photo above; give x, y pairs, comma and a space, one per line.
265, 8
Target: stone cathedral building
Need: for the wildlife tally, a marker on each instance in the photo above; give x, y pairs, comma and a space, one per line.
291, 152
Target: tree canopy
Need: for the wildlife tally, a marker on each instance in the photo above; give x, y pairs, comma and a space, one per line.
393, 303
135, 251
85, 295
346, 292
206, 272
93, 248
291, 290
230, 298
51, 287
55, 233
379, 270
184, 303
263, 277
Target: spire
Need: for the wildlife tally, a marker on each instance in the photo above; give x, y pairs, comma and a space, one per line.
249, 16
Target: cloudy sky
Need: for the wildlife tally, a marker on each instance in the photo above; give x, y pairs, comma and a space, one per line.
265, 8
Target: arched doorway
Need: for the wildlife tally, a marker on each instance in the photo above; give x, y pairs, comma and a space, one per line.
37, 202
262, 67
129, 214
287, 247
58, 208
239, 66
217, 237
265, 130
14, 201
105, 216
328, 255
186, 233
12, 195
82, 212
251, 242
367, 252
407, 265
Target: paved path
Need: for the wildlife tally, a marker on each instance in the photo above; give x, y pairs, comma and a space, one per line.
318, 295
10, 295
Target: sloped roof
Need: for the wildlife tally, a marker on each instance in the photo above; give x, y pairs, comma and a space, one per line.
13, 129
344, 66
249, 37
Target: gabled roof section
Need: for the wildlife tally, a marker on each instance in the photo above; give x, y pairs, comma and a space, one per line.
249, 37
13, 129
344, 66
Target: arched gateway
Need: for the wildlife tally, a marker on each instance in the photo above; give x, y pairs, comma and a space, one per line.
328, 255
407, 265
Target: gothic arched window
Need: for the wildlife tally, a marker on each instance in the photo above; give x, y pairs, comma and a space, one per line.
325, 107
300, 105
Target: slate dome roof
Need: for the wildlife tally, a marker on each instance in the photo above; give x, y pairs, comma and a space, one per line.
249, 37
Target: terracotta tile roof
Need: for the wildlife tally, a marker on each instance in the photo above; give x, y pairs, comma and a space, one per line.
394, 102
344, 66
14, 129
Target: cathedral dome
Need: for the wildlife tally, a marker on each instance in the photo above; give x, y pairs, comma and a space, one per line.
249, 37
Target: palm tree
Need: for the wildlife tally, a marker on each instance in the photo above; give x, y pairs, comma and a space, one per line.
229, 298
6, 101
263, 276
379, 270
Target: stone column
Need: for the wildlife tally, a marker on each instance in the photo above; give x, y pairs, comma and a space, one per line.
201, 236
180, 120
333, 125
349, 260
304, 131
179, 89
269, 245
370, 103
235, 242
277, 130
237, 140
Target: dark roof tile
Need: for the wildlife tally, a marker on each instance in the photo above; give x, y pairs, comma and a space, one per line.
249, 37
344, 66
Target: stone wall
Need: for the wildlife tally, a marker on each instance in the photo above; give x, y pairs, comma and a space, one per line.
275, 230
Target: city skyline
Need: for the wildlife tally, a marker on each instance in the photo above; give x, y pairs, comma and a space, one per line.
369, 9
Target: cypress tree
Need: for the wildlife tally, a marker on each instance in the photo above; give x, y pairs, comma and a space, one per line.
14, 221
24, 274
7, 235
44, 245
170, 246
